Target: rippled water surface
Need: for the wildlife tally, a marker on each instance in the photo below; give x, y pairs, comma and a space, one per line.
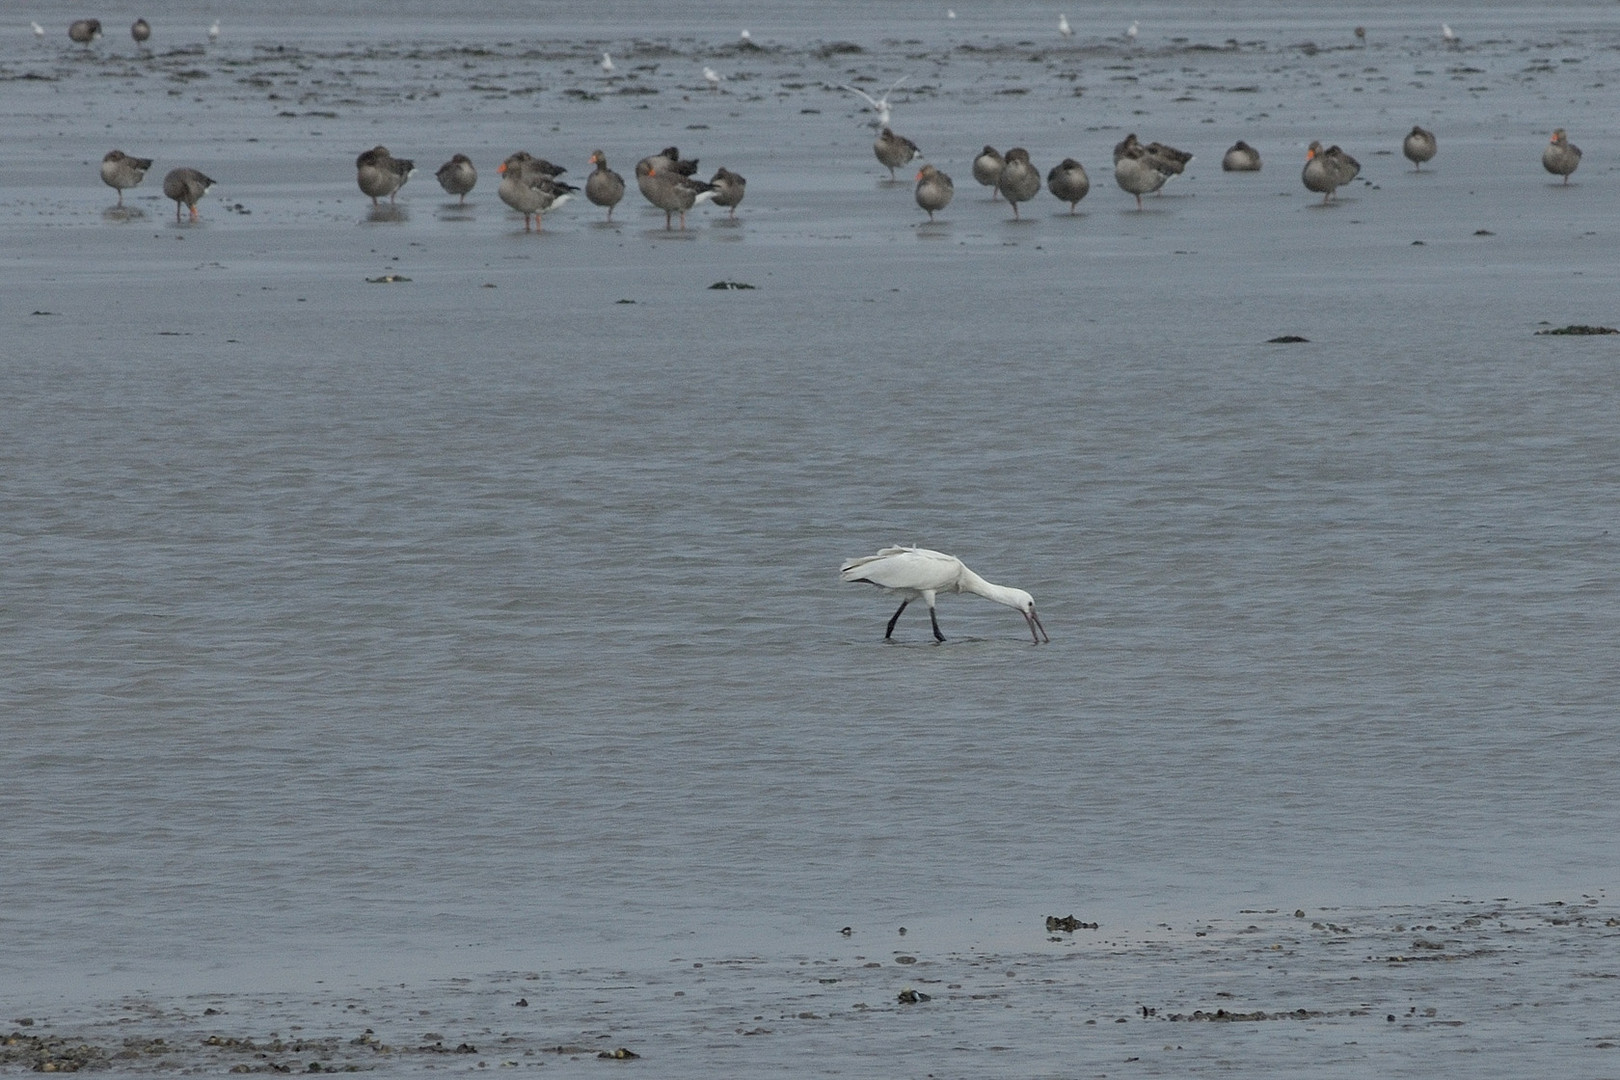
381, 654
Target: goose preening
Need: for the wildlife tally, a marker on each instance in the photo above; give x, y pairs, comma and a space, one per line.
458, 176
186, 187
729, 188
893, 150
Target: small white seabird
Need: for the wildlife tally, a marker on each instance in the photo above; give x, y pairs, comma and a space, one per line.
879, 105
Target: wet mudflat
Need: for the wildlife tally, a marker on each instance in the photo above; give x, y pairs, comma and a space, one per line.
406, 616
1491, 988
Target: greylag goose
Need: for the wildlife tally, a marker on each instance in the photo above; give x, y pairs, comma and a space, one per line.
668, 190
1561, 156
672, 155
1241, 158
893, 150
1419, 146
1327, 170
934, 190
729, 188
458, 176
379, 173
84, 31
1019, 180
119, 170
529, 189
604, 187
1175, 160
1137, 172
140, 30
186, 187
1069, 182
987, 168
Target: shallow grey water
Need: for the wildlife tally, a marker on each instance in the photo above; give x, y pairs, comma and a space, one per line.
358, 635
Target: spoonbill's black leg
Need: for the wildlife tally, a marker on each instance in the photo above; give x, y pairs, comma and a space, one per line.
933, 618
887, 634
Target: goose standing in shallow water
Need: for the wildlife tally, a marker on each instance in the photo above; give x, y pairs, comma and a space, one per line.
934, 190
1137, 172
914, 573
84, 31
1069, 182
1241, 158
1561, 156
729, 188
987, 169
140, 30
1327, 170
668, 190
119, 170
893, 151
1419, 146
604, 187
1020, 181
379, 173
186, 187
458, 176
529, 188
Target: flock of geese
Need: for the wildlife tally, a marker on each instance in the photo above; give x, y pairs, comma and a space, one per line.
531, 185
1143, 169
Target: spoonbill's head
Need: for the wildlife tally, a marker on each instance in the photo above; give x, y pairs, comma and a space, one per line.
1025, 603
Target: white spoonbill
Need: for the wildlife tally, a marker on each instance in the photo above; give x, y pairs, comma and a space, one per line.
913, 573
1063, 26
607, 64
712, 77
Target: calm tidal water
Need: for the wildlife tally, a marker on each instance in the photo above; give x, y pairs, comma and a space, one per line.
479, 635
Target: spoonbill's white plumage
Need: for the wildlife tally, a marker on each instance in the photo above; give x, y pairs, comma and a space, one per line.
950, 13
1063, 26
213, 31
1448, 34
1131, 32
607, 64
712, 77
39, 31
745, 35
914, 573
878, 105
